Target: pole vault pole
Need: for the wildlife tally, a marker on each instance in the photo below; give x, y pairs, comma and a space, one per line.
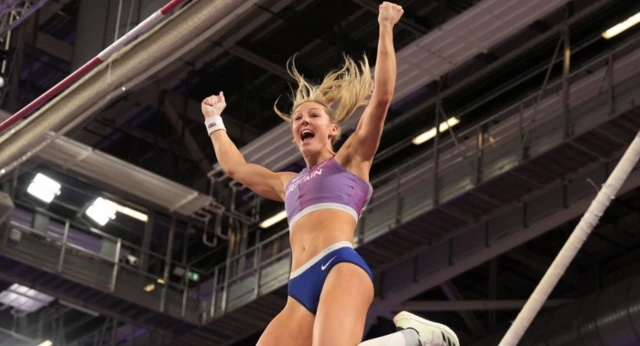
572, 246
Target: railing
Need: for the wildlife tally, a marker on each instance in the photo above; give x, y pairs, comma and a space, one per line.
109, 271
484, 150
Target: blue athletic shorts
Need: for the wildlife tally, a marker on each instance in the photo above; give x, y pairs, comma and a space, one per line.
305, 283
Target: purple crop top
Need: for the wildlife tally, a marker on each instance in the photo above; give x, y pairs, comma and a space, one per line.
327, 185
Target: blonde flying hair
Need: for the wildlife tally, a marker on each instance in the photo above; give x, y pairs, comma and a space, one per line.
351, 87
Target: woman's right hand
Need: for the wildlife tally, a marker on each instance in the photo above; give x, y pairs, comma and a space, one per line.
213, 105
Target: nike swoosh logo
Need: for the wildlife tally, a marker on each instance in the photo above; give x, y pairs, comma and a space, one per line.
324, 266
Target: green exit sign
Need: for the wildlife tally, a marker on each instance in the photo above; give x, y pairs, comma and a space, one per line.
193, 276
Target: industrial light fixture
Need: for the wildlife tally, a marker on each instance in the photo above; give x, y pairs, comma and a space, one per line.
103, 210
161, 282
24, 298
273, 220
46, 343
44, 188
427, 135
619, 28
131, 213
149, 287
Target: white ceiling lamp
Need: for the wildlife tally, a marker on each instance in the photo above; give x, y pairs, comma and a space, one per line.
103, 210
24, 298
274, 219
623, 26
46, 343
44, 188
427, 135
130, 212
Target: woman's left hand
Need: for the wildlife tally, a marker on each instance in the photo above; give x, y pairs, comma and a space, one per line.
390, 13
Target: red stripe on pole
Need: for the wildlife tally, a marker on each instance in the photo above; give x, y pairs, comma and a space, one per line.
86, 68
50, 93
170, 6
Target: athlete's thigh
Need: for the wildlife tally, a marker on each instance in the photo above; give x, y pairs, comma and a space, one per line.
292, 326
344, 302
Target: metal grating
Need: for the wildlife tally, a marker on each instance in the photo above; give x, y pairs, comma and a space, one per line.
91, 299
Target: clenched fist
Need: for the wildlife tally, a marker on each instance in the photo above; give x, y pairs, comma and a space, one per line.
390, 13
213, 105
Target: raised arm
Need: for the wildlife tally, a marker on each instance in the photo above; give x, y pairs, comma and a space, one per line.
257, 178
366, 138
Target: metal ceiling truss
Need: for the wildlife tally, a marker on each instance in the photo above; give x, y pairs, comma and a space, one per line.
422, 62
446, 219
189, 202
14, 12
553, 149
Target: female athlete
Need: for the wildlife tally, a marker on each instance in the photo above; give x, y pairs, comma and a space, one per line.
330, 286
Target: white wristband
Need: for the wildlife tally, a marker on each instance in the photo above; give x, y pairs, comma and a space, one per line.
214, 124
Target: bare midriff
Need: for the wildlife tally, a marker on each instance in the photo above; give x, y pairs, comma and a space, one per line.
316, 231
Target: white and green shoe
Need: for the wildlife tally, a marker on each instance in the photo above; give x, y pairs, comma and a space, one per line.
431, 333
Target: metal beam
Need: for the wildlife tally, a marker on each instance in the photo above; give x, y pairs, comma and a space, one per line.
235, 128
50, 9
493, 290
46, 315
469, 318
137, 133
406, 22
259, 61
194, 149
111, 118
203, 55
466, 306
444, 265
50, 45
44, 41
541, 264
113, 113
92, 305
19, 336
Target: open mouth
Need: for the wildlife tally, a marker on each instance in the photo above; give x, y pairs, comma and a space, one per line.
306, 135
